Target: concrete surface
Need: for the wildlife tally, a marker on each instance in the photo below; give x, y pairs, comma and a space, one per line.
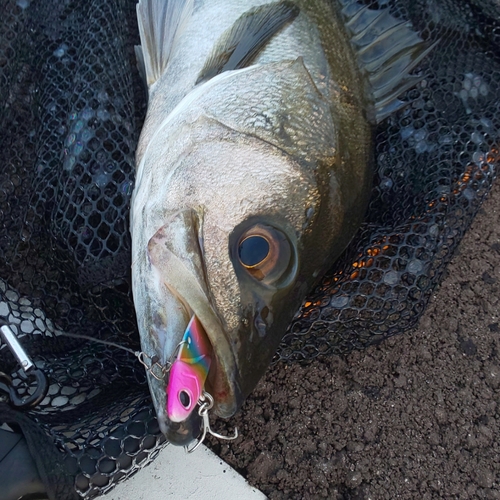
177, 475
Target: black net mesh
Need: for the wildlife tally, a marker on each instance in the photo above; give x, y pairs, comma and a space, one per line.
435, 163
71, 108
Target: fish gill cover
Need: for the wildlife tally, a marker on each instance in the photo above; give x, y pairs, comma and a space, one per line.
71, 108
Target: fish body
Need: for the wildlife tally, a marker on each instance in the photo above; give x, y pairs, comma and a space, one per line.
253, 170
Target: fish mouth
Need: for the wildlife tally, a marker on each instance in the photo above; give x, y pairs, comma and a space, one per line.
221, 381
175, 256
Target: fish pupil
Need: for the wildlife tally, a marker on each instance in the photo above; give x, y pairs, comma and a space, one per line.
184, 399
253, 250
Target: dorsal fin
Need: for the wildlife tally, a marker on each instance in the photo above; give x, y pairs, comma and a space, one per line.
160, 24
239, 45
388, 49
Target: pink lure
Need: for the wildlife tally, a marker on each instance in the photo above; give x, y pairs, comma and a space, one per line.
188, 373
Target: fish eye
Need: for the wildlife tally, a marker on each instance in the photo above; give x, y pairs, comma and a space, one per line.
253, 250
184, 399
265, 253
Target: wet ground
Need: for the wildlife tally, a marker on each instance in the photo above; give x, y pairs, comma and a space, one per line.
415, 417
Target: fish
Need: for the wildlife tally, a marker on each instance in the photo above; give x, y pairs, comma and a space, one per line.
253, 171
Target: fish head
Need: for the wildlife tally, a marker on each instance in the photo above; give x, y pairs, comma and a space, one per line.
239, 246
235, 231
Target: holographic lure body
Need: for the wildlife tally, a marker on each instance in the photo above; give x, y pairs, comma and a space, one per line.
189, 372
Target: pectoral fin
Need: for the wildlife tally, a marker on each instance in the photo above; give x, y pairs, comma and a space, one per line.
241, 43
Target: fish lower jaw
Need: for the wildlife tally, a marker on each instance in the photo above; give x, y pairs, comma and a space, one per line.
181, 433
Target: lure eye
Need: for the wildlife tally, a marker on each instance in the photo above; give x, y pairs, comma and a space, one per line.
184, 399
265, 253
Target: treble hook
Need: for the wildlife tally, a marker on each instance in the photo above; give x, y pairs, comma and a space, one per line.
206, 403
30, 371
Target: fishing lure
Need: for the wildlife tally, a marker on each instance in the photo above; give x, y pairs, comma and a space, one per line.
188, 372
187, 376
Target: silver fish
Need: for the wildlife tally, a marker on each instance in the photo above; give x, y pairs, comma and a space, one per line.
253, 170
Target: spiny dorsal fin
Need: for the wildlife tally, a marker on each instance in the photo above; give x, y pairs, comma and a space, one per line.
160, 24
388, 49
239, 45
